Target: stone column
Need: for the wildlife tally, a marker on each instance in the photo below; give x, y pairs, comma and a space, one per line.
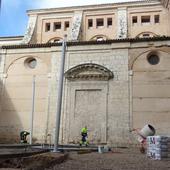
2, 73
166, 3
30, 29
76, 26
122, 23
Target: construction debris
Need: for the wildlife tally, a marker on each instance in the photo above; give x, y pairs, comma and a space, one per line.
158, 147
141, 135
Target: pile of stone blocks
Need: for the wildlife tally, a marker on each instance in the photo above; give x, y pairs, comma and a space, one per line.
158, 147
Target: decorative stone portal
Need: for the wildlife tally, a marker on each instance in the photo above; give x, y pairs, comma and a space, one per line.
89, 71
87, 102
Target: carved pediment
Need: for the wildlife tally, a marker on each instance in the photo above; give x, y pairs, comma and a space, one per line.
89, 71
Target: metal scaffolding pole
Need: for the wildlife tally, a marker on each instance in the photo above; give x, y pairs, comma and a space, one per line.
32, 111
59, 97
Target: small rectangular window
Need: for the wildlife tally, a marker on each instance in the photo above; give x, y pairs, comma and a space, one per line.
47, 27
90, 23
145, 19
109, 22
57, 25
134, 19
156, 18
66, 25
100, 22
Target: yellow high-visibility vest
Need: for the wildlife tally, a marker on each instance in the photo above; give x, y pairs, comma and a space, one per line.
84, 130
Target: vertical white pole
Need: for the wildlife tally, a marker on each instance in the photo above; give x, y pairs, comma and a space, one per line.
32, 111
59, 98
130, 100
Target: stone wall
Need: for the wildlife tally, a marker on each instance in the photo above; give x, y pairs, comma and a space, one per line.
151, 91
102, 104
111, 88
110, 102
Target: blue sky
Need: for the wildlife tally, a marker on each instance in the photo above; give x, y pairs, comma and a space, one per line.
13, 16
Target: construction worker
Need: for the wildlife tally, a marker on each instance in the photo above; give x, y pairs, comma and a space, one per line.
84, 136
23, 136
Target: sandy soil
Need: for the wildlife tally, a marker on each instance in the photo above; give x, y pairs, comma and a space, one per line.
119, 159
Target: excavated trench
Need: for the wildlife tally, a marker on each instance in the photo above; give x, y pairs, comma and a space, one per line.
28, 157
34, 162
35, 157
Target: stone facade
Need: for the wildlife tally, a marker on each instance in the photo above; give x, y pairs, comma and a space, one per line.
97, 100
97, 22
111, 86
166, 3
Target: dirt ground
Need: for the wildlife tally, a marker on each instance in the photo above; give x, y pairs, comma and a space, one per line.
117, 159
35, 162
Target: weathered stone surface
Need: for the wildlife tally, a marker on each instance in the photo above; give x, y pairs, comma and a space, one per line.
30, 29
109, 86
122, 23
76, 26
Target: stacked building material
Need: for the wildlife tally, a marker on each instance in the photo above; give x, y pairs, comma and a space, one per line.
158, 147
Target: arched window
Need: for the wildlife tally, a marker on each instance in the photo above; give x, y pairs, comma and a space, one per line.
55, 40
146, 35
99, 38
